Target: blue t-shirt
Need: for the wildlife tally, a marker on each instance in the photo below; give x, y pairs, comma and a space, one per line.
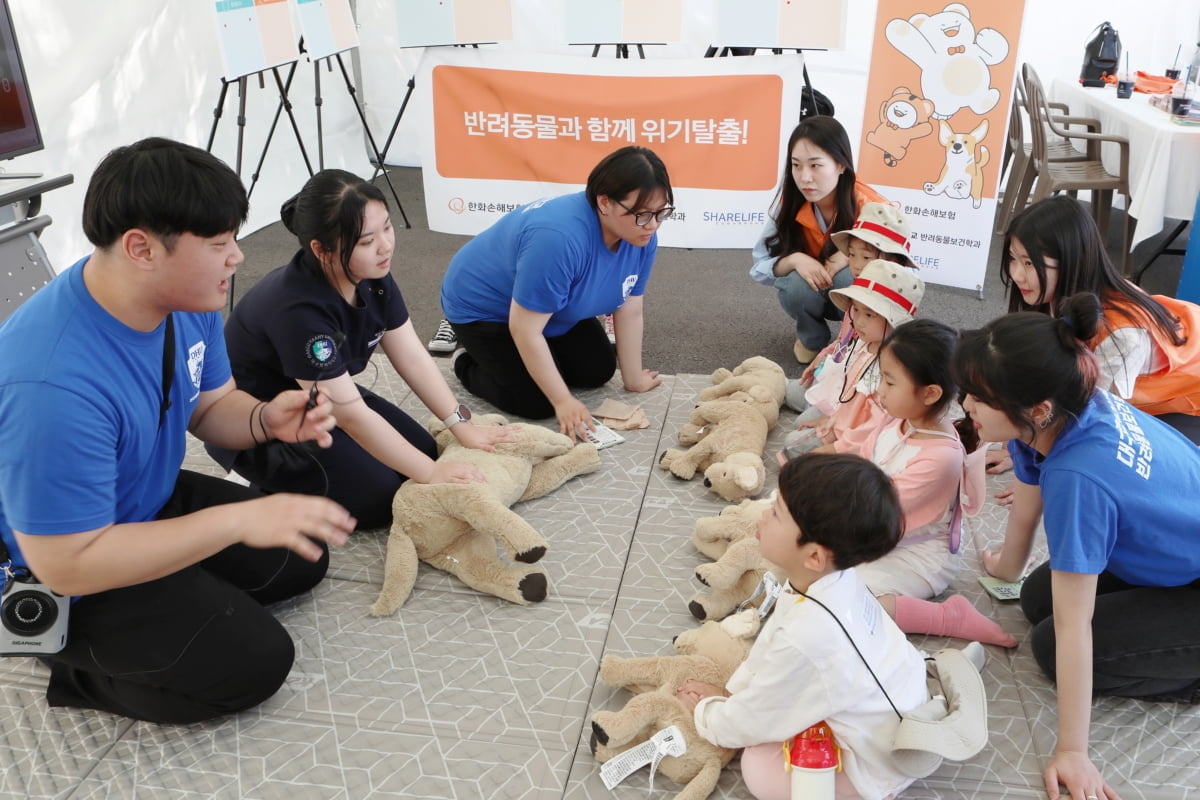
293, 325
550, 257
1121, 492
80, 392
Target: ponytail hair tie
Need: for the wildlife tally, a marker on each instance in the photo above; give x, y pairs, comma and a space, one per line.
1070, 324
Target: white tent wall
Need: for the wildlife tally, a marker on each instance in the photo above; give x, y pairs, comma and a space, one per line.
145, 68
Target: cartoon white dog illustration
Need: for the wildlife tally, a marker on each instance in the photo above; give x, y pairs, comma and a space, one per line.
953, 57
903, 117
962, 177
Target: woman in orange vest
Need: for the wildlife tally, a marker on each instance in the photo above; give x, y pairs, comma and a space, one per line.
1147, 345
818, 196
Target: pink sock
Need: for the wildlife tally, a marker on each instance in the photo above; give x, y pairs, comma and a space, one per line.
956, 618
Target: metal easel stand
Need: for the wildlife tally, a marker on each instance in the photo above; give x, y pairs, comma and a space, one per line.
381, 155
362, 118
284, 105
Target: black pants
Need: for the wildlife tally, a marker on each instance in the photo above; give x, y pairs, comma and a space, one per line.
1145, 640
344, 472
191, 646
493, 370
1186, 424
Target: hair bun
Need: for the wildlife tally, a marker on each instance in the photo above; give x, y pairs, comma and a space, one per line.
287, 212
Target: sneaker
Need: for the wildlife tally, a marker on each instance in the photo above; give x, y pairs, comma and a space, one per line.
609, 331
803, 354
445, 340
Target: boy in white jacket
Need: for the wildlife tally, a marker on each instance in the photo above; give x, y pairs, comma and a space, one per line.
831, 513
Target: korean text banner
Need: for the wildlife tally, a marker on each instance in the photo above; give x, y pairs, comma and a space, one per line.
938, 98
507, 129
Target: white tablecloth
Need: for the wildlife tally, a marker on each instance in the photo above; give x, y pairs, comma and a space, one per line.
1164, 157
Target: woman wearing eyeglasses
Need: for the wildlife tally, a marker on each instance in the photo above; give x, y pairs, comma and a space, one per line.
523, 296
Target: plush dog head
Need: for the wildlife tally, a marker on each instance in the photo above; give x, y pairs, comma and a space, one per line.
739, 476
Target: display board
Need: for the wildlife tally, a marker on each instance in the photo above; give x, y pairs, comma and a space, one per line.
328, 27
937, 103
508, 129
429, 23
814, 24
624, 21
255, 35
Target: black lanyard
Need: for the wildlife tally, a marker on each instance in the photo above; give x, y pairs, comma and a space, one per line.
168, 366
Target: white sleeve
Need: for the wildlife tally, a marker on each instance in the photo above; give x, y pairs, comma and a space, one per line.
763, 270
1123, 356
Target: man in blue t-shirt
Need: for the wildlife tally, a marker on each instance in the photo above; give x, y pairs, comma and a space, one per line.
106, 369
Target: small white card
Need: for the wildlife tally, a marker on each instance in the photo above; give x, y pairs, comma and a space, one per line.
1001, 590
603, 436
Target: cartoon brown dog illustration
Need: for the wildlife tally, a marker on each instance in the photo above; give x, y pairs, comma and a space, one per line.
903, 117
962, 176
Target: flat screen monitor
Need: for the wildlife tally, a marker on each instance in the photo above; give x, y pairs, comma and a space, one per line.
19, 133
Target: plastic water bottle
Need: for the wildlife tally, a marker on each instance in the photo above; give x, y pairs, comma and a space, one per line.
814, 760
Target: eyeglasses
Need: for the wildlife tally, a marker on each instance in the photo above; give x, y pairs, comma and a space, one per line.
642, 218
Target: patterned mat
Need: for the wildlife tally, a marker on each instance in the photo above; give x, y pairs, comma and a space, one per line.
465, 696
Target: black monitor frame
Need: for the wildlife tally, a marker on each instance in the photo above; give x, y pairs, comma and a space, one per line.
19, 130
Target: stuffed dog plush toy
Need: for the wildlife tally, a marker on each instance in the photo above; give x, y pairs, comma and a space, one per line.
709, 653
455, 526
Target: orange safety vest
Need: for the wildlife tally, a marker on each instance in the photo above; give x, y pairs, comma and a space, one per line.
1176, 387
814, 238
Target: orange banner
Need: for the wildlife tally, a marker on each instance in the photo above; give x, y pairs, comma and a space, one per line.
937, 106
715, 132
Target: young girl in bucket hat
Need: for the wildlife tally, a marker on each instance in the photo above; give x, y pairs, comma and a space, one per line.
884, 296
880, 232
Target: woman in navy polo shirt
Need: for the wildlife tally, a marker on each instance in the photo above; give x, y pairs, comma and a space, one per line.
314, 323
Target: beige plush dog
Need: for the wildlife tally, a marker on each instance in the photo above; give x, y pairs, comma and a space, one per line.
717, 429
738, 566
709, 653
455, 526
739, 476
754, 371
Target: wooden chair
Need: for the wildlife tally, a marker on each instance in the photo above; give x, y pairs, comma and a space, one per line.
1017, 151
1090, 174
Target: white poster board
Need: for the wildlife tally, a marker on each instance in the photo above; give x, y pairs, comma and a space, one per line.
500, 130
255, 36
624, 21
787, 24
430, 23
328, 27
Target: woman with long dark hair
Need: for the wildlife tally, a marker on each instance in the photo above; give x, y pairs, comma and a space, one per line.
818, 196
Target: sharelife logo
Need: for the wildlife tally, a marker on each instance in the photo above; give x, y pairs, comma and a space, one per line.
758, 218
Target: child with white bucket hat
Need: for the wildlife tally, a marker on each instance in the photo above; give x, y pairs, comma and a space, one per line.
880, 232
882, 297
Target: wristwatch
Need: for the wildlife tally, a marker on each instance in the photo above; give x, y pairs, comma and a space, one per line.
460, 414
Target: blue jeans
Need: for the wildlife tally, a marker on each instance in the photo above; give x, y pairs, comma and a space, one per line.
810, 309
1145, 641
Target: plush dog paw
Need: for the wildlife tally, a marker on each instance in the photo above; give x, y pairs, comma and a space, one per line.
598, 735
531, 556
533, 587
697, 610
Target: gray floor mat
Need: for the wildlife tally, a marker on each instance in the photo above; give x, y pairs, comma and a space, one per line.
460, 695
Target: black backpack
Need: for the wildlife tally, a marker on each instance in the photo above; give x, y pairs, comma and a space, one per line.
812, 102
1101, 55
